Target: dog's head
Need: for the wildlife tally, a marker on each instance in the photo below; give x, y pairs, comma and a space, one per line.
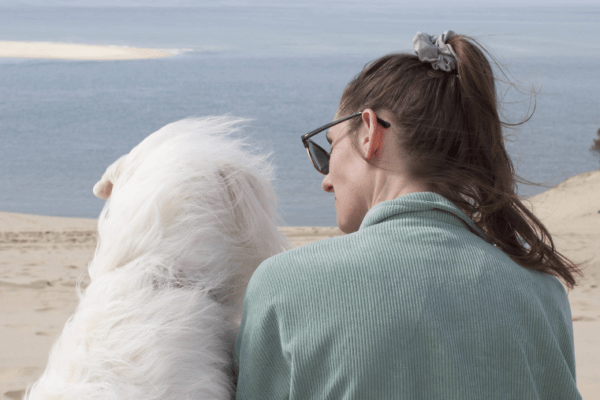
190, 205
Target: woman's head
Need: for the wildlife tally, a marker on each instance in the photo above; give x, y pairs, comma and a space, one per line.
446, 127
449, 133
447, 122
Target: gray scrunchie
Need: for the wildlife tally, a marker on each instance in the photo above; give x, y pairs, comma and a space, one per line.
434, 50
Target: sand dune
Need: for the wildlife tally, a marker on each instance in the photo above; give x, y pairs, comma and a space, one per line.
42, 258
70, 51
571, 212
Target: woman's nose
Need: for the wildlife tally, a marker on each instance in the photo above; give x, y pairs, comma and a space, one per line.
326, 184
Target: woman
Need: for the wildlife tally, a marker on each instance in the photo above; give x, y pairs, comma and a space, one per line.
445, 286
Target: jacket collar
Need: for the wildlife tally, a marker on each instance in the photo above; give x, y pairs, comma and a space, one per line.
418, 202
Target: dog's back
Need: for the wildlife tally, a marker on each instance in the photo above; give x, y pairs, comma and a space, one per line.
189, 216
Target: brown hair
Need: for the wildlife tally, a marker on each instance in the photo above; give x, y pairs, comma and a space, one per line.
452, 134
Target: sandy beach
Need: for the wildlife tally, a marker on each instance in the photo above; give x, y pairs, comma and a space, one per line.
71, 51
41, 259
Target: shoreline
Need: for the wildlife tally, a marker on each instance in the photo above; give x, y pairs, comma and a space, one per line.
74, 51
43, 257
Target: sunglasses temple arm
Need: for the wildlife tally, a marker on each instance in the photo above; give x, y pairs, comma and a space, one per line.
329, 125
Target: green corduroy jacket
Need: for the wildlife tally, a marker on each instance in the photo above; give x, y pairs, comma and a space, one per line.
414, 305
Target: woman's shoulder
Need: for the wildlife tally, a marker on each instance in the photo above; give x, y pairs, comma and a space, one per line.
311, 265
323, 252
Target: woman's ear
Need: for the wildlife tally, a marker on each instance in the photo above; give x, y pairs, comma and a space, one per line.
373, 140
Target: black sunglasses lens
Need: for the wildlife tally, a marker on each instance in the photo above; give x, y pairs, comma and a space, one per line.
319, 157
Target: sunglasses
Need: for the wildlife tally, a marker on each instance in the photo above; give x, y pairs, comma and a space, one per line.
318, 155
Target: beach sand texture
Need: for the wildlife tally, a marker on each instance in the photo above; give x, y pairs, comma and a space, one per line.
71, 51
41, 259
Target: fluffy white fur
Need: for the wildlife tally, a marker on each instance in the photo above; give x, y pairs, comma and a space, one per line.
189, 216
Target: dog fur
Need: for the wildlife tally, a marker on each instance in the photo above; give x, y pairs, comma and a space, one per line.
189, 216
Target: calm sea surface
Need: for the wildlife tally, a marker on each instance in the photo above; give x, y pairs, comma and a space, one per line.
63, 122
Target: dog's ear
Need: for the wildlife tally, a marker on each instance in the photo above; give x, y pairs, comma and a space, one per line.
103, 188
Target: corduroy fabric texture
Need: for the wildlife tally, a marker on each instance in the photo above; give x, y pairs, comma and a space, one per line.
414, 305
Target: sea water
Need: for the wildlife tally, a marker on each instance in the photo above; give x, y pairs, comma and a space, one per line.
284, 68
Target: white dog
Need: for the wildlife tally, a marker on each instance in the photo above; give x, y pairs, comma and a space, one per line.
189, 216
